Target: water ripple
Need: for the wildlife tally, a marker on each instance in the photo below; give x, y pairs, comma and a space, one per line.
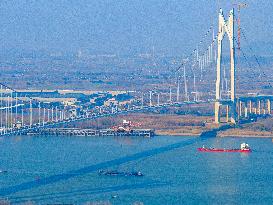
92, 168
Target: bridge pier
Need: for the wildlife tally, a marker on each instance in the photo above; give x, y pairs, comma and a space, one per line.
250, 106
240, 108
269, 106
255, 110
259, 107
227, 113
246, 110
217, 112
263, 106
233, 113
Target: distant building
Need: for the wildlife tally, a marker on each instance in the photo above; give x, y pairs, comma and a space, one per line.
125, 102
93, 100
73, 113
69, 102
111, 102
17, 125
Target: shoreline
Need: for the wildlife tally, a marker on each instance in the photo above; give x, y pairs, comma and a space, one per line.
220, 135
184, 134
186, 125
242, 136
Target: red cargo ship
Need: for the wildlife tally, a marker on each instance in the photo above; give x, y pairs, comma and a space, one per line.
244, 148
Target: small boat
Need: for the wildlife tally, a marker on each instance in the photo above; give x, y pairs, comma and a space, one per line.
117, 173
114, 196
244, 148
136, 174
3, 171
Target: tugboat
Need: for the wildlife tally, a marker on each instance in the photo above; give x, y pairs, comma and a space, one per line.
244, 148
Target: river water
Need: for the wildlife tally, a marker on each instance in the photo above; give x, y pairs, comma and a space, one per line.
47, 170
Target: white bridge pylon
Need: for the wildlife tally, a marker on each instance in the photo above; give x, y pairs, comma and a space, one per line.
226, 27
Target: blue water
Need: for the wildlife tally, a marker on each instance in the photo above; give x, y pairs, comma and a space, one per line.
47, 170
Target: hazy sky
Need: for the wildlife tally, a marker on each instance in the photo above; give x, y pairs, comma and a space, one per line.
122, 26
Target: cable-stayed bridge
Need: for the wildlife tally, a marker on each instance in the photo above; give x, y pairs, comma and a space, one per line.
200, 78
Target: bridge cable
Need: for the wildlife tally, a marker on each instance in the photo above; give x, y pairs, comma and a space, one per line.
255, 57
245, 56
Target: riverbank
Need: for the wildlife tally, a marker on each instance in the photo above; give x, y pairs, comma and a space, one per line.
181, 125
163, 124
263, 128
192, 125
236, 132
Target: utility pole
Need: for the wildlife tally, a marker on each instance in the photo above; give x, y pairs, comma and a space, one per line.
11, 104
16, 106
150, 98
170, 99
201, 68
7, 113
194, 82
56, 113
178, 90
22, 116
185, 84
197, 53
52, 114
142, 100
48, 114
44, 116
30, 114
39, 113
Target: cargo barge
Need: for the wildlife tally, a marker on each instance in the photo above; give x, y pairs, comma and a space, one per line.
91, 132
244, 148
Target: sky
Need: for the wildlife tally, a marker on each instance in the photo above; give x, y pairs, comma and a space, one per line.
173, 27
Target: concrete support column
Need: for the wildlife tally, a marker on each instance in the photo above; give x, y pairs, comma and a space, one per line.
227, 113
150, 100
250, 106
259, 107
217, 112
268, 107
240, 108
246, 114
246, 110
233, 116
255, 110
